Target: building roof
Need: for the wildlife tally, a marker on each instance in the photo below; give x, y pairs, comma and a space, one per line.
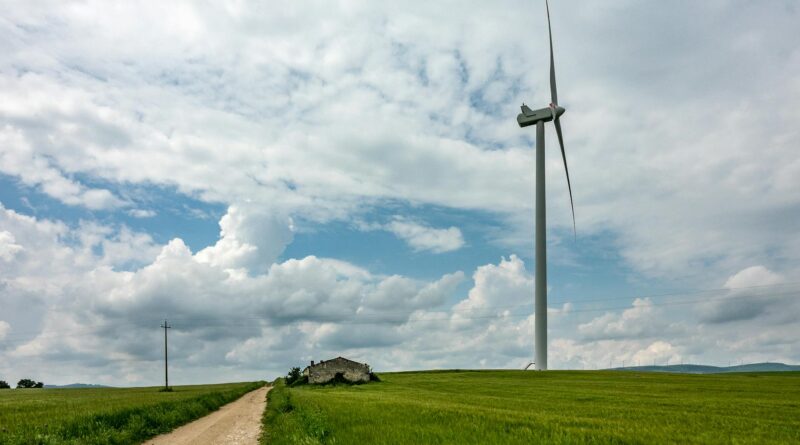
340, 358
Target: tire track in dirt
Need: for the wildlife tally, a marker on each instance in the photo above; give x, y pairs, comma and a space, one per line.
237, 423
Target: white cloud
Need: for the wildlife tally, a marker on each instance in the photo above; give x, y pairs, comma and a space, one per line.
412, 104
5, 327
142, 213
125, 246
605, 354
658, 352
421, 237
640, 321
19, 158
503, 285
101, 322
8, 249
754, 293
394, 103
753, 276
296, 309
250, 238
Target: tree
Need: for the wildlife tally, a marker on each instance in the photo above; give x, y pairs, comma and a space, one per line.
293, 376
4, 385
28, 383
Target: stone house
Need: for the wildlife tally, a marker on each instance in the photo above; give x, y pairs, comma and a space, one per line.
325, 371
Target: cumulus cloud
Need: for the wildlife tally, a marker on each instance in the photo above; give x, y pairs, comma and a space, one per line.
8, 249
118, 247
392, 103
635, 322
250, 238
102, 320
19, 158
322, 125
753, 276
753, 293
198, 295
300, 308
658, 352
421, 237
503, 285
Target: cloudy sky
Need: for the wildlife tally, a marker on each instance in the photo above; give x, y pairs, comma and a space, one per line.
295, 181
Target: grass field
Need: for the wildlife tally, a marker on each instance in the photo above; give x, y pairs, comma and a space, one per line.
106, 415
509, 407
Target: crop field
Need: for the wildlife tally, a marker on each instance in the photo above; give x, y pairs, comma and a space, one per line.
566, 407
106, 415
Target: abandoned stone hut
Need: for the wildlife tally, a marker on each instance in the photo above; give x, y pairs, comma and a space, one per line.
325, 371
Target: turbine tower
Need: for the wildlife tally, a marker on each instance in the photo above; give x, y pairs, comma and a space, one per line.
539, 117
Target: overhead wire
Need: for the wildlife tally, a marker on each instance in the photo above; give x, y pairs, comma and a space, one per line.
395, 317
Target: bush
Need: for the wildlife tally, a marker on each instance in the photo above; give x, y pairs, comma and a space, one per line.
28, 383
303, 380
340, 379
4, 385
293, 375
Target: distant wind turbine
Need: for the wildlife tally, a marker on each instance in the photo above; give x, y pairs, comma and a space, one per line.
539, 117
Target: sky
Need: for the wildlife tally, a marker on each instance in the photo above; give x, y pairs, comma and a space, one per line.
286, 182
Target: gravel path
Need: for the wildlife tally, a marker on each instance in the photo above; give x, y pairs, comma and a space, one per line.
238, 422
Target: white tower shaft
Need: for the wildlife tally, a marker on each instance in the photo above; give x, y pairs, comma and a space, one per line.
540, 291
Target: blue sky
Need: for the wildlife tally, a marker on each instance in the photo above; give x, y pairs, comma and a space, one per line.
364, 190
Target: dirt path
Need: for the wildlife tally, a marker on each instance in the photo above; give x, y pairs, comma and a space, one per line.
238, 423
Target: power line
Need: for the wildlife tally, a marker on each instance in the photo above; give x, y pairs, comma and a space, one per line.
386, 314
397, 317
383, 320
686, 292
264, 321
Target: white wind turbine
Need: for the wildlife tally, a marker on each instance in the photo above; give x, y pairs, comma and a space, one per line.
539, 117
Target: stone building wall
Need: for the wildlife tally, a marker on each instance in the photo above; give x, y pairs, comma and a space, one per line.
323, 372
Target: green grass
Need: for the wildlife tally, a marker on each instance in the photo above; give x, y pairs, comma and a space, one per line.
106, 415
567, 407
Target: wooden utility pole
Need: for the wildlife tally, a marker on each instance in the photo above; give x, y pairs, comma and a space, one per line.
166, 361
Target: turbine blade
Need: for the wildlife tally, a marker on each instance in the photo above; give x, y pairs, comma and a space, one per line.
553, 91
557, 123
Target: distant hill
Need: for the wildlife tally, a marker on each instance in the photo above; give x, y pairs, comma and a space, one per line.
706, 369
77, 385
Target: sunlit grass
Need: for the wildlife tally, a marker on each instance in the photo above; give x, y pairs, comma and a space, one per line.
502, 407
106, 415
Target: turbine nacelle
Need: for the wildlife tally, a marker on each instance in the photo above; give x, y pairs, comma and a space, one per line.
530, 117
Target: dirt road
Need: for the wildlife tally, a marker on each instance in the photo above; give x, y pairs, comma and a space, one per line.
236, 423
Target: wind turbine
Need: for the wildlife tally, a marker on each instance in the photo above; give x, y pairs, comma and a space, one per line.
539, 117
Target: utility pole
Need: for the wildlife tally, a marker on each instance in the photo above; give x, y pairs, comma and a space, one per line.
166, 361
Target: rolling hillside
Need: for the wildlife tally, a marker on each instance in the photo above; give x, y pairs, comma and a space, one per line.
706, 369
561, 407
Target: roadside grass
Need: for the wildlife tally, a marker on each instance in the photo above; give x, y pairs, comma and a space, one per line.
106, 415
559, 407
286, 423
